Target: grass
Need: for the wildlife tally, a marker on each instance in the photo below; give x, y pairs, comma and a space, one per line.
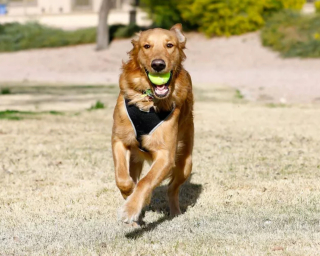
19, 115
239, 95
277, 105
97, 105
53, 89
293, 34
59, 97
254, 189
218, 94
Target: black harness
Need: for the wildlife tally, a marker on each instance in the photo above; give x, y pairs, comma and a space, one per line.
145, 123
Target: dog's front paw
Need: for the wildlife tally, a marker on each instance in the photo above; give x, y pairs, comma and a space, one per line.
129, 213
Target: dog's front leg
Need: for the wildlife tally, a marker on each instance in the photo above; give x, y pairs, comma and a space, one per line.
163, 163
121, 156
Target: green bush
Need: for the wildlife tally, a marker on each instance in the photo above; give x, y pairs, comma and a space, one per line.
293, 34
217, 17
113, 29
4, 91
166, 13
286, 4
127, 31
15, 36
317, 6
234, 17
272, 6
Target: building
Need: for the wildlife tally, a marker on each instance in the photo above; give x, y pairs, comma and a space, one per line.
69, 14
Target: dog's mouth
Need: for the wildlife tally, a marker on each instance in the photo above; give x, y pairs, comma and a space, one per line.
162, 90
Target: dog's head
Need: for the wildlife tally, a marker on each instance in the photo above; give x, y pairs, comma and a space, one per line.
160, 51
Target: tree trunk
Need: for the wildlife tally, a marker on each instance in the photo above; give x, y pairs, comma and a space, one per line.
103, 29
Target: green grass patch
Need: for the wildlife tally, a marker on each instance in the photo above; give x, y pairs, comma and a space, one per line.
62, 89
5, 91
218, 94
19, 115
293, 34
275, 105
97, 105
239, 95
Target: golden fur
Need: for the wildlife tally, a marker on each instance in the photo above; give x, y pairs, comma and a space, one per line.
170, 145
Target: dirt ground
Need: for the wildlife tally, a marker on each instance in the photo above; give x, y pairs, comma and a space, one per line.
239, 62
254, 190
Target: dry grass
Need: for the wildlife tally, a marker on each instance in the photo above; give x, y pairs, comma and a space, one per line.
255, 188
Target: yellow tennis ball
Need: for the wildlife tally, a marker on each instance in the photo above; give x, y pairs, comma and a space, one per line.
159, 79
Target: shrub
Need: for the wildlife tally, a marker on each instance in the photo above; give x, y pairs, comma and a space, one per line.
127, 31
113, 29
166, 13
291, 4
234, 17
293, 34
272, 6
317, 6
217, 17
15, 36
4, 91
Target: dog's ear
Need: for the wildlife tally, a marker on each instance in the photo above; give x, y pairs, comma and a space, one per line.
177, 29
137, 36
135, 39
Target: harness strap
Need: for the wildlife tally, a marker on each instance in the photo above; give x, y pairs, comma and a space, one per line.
145, 123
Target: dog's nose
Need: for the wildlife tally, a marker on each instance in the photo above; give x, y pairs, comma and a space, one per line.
158, 65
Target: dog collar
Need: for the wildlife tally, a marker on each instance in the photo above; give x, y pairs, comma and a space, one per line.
148, 94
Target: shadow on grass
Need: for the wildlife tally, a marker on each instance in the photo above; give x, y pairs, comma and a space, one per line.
189, 194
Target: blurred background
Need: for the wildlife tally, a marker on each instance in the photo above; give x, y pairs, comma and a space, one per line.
255, 184
267, 50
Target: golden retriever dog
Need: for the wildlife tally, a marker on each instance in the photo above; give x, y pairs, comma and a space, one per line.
153, 123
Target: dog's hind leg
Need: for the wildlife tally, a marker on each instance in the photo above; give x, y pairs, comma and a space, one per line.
121, 156
180, 174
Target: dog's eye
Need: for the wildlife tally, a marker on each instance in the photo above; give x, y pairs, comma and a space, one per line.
169, 45
146, 46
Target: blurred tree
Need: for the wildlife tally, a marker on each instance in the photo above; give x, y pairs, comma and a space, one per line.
225, 18
317, 6
103, 29
216, 17
166, 13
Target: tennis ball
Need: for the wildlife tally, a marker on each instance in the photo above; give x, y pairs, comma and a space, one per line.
159, 79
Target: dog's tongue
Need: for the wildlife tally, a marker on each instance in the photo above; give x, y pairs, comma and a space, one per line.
161, 89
